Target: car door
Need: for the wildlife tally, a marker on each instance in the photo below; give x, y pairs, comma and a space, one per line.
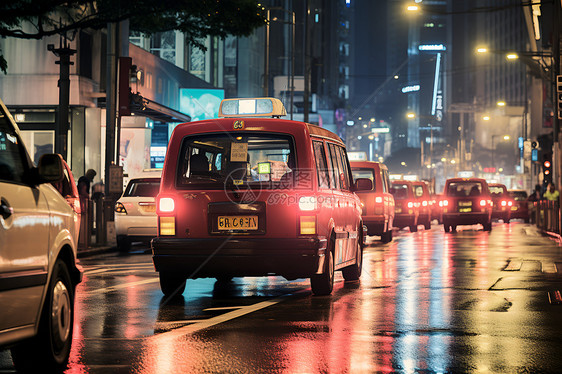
24, 233
351, 206
339, 206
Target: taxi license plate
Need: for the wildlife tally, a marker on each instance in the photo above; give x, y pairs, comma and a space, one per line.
465, 210
513, 208
237, 222
397, 210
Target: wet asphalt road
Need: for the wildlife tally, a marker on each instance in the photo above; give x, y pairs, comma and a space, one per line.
469, 301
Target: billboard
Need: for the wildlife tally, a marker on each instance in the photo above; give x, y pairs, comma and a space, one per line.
200, 103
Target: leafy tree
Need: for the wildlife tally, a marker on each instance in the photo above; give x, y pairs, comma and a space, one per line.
32, 19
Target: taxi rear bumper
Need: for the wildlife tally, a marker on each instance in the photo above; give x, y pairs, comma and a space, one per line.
236, 257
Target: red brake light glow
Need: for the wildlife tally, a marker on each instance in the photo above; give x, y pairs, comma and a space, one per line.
166, 205
504, 203
378, 199
424, 203
410, 204
482, 202
307, 203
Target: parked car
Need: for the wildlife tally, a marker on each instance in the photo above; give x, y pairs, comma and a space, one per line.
520, 208
38, 271
421, 191
378, 203
466, 201
243, 196
135, 213
502, 202
406, 206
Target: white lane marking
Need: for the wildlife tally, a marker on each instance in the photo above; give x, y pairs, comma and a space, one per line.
123, 285
206, 323
548, 267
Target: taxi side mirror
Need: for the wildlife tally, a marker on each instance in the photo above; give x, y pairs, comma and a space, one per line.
363, 184
50, 168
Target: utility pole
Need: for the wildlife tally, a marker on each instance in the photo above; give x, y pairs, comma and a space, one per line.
64, 52
306, 92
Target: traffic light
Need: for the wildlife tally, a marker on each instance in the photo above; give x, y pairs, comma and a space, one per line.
547, 167
559, 95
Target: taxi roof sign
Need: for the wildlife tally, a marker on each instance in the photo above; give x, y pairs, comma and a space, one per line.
252, 107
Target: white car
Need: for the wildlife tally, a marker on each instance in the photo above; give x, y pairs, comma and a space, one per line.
38, 270
135, 212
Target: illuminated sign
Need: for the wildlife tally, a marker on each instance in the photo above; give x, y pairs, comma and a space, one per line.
432, 47
415, 87
200, 103
380, 130
357, 156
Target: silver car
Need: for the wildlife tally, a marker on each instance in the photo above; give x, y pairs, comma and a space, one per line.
38, 271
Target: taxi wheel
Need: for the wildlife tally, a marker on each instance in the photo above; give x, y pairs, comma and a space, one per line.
386, 237
50, 349
171, 285
123, 243
323, 284
446, 226
488, 226
353, 272
414, 228
427, 225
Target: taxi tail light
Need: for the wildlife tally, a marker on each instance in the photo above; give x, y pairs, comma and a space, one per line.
483, 202
120, 208
167, 226
443, 203
410, 204
308, 225
307, 203
166, 205
378, 199
504, 203
424, 203
509, 203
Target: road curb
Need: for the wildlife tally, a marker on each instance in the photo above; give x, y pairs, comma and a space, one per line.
552, 235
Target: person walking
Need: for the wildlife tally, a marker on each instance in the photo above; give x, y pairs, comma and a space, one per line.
551, 193
83, 185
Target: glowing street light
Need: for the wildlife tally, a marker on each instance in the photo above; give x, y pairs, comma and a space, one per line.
486, 118
412, 8
501, 103
481, 50
512, 56
411, 115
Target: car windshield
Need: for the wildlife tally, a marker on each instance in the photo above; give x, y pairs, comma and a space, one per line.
364, 173
496, 190
142, 188
464, 189
399, 191
234, 160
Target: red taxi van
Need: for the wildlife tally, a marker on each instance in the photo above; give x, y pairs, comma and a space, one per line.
466, 201
406, 209
378, 203
502, 202
244, 195
421, 190
520, 208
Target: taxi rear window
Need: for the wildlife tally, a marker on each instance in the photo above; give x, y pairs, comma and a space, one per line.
464, 189
399, 191
496, 190
142, 188
364, 173
238, 159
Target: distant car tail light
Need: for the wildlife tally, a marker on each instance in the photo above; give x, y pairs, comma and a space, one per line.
424, 203
410, 204
482, 202
504, 203
509, 203
378, 199
167, 226
120, 208
307, 203
166, 205
308, 225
